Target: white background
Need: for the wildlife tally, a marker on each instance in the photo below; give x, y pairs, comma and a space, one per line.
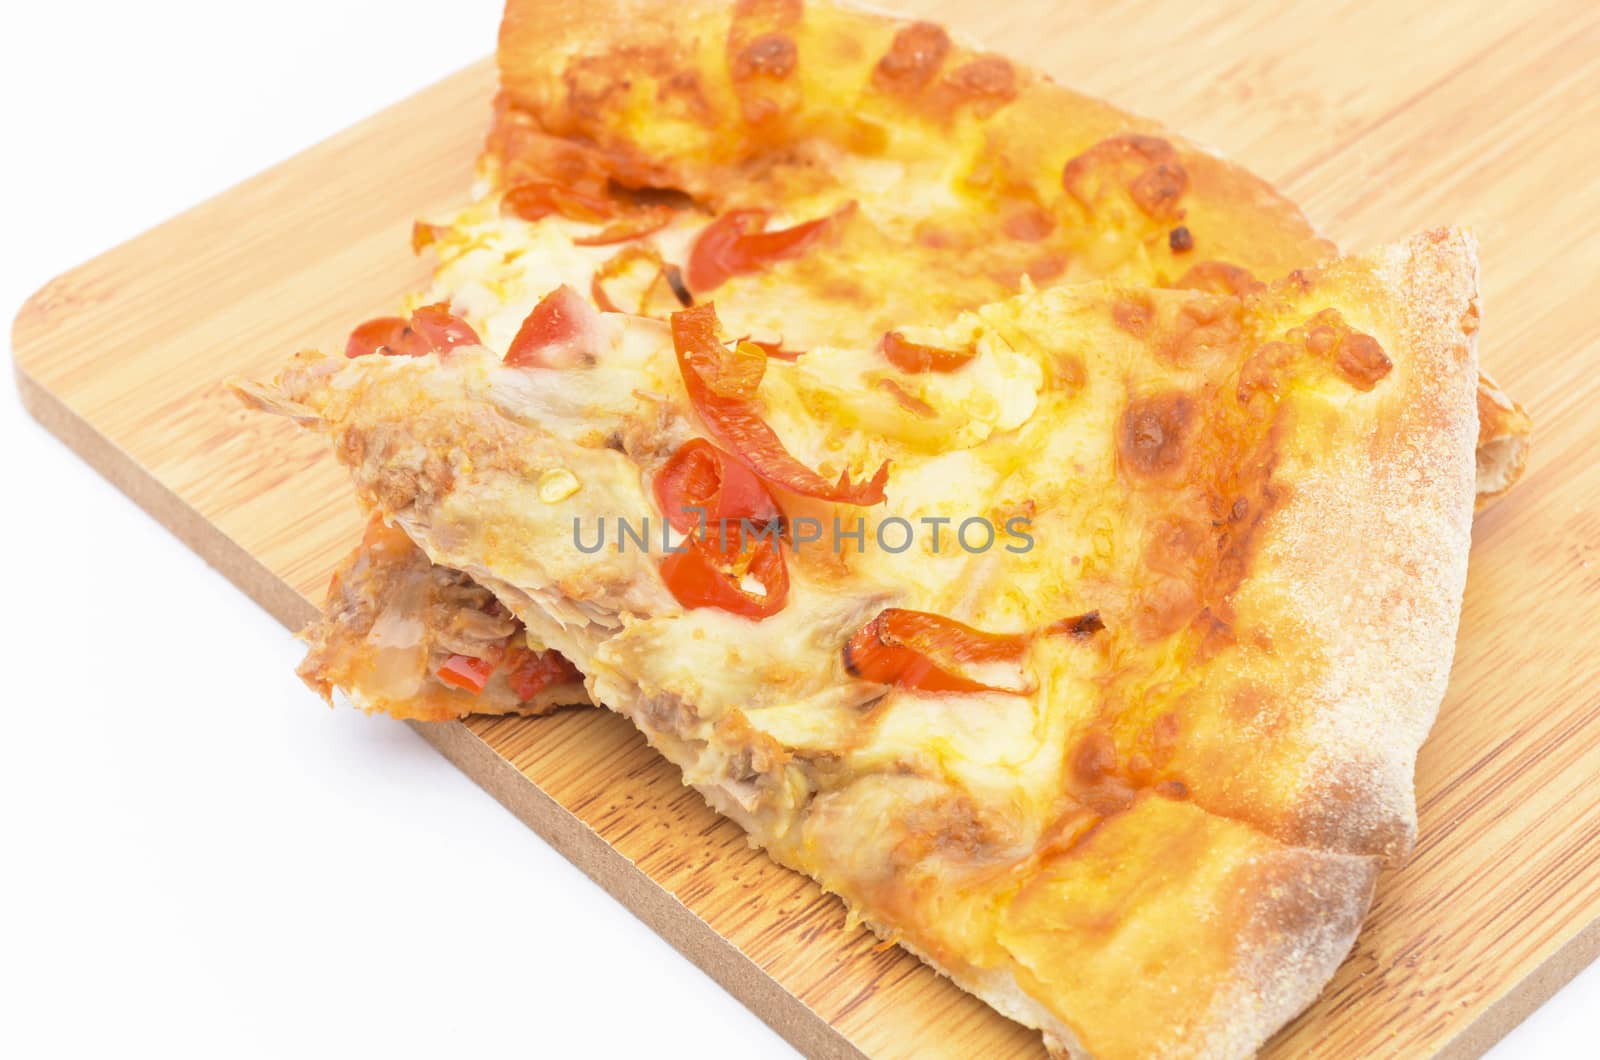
199, 857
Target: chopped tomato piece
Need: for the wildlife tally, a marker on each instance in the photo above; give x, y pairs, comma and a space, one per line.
465, 672
559, 331
737, 243
441, 329
915, 357
703, 477
380, 335
721, 384
431, 329
530, 672
707, 574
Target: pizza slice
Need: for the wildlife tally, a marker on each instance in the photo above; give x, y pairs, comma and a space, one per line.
826, 172
1121, 752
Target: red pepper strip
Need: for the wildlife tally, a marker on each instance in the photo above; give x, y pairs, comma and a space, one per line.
706, 575
532, 672
735, 243
915, 649
465, 672
561, 328
775, 349
699, 475
641, 223
721, 384
915, 357
431, 329
537, 199
733, 374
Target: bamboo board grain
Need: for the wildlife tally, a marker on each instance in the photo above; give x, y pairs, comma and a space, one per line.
1380, 117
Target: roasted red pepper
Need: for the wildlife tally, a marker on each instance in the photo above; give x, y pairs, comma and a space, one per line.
928, 652
737, 242
701, 476
466, 672
529, 672
536, 199
708, 574
916, 649
721, 384
917, 358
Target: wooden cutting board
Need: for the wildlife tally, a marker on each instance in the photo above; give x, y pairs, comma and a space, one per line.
1379, 116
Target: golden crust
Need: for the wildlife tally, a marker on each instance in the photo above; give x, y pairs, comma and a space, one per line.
1369, 554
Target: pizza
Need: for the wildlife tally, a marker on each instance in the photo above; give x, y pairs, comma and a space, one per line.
1187, 710
1012, 515
850, 179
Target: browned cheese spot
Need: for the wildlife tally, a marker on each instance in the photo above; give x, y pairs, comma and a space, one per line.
1324, 339
1355, 355
1219, 277
987, 81
1029, 224
762, 58
771, 55
913, 59
1205, 328
1263, 370
1152, 432
1099, 784
1095, 758
1146, 167
601, 83
1362, 361
1164, 737
1070, 373
1172, 789
1133, 315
